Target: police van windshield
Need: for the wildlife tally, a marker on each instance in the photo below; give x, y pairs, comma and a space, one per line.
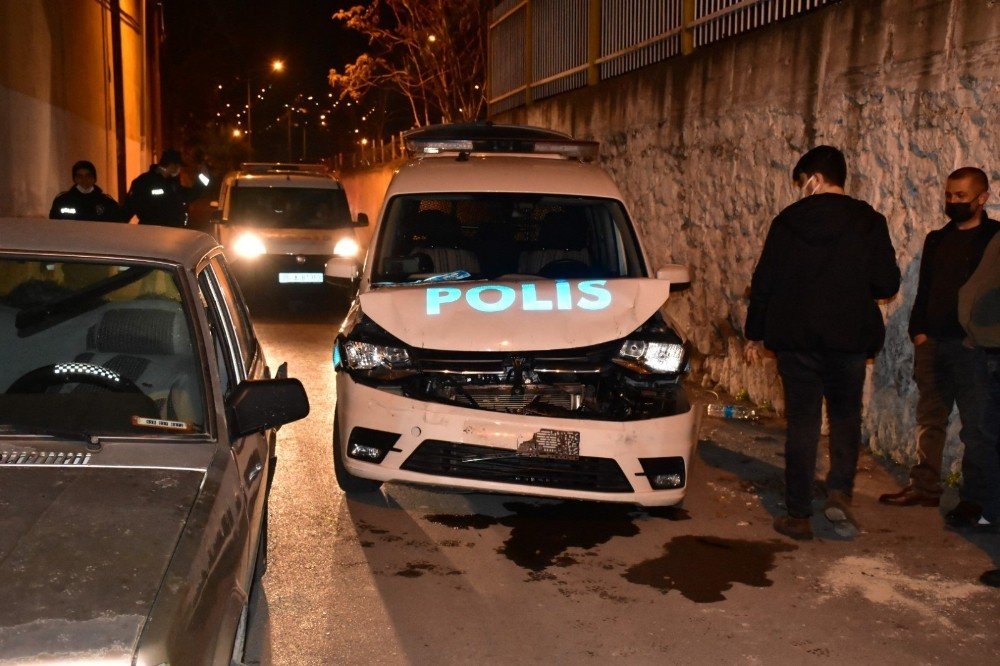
289, 208
491, 235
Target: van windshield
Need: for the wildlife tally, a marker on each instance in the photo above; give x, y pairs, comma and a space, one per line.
289, 208
491, 235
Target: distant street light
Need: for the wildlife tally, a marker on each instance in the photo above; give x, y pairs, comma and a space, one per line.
277, 66
237, 133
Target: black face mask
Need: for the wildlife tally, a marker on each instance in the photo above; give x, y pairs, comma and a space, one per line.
959, 211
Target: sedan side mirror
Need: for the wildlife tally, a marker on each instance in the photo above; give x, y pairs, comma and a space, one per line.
362, 220
262, 404
678, 275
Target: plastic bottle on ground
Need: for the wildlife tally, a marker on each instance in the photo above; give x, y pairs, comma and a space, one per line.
734, 412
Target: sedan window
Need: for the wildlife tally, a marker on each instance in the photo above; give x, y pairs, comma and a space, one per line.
97, 348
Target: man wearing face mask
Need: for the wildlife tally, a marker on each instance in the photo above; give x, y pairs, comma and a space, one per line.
944, 366
158, 197
826, 260
85, 200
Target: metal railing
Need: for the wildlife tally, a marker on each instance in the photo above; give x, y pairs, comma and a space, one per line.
539, 48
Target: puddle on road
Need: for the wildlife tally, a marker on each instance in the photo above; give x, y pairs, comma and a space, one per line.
701, 568
540, 534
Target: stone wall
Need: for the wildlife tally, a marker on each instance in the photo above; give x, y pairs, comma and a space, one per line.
702, 147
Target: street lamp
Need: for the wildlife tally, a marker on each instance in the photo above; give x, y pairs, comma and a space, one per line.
277, 66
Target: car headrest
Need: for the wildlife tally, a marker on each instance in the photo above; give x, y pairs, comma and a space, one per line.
563, 230
138, 331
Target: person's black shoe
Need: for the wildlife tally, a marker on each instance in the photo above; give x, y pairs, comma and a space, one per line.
796, 528
910, 496
991, 578
965, 514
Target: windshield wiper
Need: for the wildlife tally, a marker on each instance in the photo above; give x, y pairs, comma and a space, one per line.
41, 317
92, 441
453, 276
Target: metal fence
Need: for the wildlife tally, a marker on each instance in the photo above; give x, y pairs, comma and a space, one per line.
539, 48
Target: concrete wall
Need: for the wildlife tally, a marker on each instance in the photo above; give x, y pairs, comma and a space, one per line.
56, 98
366, 190
703, 145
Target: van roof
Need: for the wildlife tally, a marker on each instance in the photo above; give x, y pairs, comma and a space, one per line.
285, 179
502, 172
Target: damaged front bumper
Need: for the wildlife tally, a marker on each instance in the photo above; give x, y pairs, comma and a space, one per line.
437, 443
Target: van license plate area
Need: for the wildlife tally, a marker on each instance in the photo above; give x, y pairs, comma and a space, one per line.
300, 278
556, 444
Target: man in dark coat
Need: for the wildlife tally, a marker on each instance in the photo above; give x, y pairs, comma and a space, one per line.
158, 197
85, 200
944, 365
826, 261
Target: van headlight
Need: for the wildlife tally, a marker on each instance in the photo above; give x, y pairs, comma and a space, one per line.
346, 247
249, 246
368, 356
659, 357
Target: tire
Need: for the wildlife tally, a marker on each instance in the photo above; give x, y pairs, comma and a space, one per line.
350, 484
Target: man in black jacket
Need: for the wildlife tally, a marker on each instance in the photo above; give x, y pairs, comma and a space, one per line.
158, 197
944, 366
826, 261
85, 200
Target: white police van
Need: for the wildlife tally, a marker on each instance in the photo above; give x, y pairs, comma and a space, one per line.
280, 223
508, 333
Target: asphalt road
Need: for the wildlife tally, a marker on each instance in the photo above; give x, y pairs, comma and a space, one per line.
427, 576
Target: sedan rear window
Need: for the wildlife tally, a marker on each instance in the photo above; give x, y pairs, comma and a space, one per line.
96, 349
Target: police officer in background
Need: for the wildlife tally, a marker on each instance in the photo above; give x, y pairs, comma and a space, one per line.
158, 197
85, 200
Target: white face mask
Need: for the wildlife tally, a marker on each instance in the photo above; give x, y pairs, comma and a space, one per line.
85, 190
806, 192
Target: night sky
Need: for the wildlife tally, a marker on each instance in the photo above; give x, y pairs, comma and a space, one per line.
213, 43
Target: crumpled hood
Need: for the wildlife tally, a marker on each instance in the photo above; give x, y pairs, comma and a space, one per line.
83, 551
513, 315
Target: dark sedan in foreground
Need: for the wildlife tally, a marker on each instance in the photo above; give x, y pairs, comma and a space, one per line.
137, 445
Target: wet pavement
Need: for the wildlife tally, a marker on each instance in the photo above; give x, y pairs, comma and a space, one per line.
424, 575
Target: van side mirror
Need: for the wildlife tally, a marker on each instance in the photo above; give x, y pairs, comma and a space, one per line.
678, 275
259, 405
362, 220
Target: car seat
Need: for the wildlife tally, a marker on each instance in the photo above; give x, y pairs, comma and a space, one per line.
437, 237
562, 237
150, 346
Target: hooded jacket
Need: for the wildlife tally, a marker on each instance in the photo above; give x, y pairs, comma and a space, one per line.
95, 206
826, 261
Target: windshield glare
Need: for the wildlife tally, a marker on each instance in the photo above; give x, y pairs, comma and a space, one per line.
289, 208
491, 236
96, 349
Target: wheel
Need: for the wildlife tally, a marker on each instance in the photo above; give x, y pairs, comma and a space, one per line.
350, 484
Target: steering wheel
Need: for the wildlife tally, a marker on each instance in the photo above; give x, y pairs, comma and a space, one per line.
565, 268
39, 379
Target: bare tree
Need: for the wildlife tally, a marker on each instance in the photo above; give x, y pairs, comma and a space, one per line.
432, 51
